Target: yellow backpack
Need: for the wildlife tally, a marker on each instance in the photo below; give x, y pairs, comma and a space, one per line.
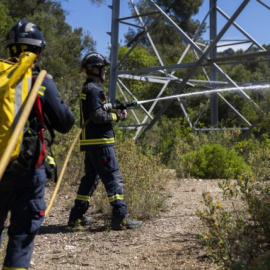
15, 86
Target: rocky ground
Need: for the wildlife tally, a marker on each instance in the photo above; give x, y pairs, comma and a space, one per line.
169, 241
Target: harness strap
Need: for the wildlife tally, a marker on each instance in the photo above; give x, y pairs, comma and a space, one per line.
41, 124
40, 133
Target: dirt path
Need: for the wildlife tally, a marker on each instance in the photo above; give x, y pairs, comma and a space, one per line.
167, 242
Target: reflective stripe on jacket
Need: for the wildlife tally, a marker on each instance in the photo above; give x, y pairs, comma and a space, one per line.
99, 131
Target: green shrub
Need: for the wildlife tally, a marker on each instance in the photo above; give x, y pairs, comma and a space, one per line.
239, 230
256, 153
165, 137
214, 161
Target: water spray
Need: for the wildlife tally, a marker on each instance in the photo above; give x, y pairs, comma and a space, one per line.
134, 103
208, 92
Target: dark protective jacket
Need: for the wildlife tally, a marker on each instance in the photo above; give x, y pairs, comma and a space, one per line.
57, 112
58, 117
99, 131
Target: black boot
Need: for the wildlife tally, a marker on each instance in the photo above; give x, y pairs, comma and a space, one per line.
76, 216
79, 222
125, 223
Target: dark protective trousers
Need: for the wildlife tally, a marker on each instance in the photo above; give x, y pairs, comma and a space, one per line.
23, 195
100, 163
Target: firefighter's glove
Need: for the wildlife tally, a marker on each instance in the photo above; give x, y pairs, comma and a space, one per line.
107, 107
121, 115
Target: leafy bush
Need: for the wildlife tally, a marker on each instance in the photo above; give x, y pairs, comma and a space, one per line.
256, 152
173, 140
214, 161
238, 238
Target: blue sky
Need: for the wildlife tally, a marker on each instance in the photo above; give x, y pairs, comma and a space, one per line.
255, 19
95, 19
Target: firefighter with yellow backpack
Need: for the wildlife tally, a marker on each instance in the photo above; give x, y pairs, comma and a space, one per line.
22, 185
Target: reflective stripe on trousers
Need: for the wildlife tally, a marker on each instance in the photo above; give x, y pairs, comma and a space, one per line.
101, 162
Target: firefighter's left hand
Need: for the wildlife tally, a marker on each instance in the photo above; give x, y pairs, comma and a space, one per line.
122, 114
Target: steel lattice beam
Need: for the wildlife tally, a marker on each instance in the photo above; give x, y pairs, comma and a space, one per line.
206, 57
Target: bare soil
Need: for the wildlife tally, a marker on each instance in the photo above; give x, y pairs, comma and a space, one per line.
169, 241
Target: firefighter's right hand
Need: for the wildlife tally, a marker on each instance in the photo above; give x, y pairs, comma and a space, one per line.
107, 107
121, 115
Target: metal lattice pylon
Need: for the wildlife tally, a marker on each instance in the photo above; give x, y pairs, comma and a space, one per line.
163, 75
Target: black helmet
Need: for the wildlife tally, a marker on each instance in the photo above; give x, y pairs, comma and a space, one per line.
94, 60
27, 33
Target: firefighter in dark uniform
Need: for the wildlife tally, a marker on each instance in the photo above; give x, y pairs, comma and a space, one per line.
23, 183
97, 140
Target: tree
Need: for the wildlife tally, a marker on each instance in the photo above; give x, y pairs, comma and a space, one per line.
6, 22
181, 11
139, 57
165, 37
64, 46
